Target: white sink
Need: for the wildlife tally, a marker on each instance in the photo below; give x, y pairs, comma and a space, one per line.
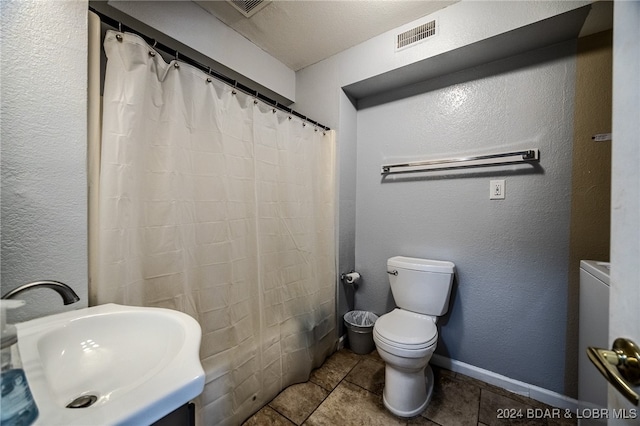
139, 363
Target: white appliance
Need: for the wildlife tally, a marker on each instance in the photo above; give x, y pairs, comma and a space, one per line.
407, 336
594, 331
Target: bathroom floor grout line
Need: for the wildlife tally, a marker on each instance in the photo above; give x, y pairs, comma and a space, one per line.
282, 414
479, 404
332, 390
328, 394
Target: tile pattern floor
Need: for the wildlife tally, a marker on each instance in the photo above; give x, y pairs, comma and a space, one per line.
347, 390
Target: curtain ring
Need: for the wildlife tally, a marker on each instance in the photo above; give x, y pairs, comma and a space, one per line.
175, 64
119, 36
152, 53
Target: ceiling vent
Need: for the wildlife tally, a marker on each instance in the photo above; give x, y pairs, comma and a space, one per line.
416, 35
249, 7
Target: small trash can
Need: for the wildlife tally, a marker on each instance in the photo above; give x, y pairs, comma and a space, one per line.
360, 330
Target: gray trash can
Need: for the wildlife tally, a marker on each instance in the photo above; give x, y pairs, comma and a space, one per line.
360, 330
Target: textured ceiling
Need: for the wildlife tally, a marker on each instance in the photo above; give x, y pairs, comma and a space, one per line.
300, 33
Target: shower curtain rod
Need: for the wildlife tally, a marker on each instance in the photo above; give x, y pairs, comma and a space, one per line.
208, 70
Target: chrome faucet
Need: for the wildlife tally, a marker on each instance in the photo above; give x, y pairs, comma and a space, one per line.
68, 295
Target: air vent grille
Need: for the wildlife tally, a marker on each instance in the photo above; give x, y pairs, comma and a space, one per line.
416, 34
248, 7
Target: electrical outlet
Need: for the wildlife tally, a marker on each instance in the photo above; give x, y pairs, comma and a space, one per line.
496, 189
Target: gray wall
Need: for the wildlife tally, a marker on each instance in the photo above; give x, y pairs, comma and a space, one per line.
508, 310
500, 29
44, 138
346, 223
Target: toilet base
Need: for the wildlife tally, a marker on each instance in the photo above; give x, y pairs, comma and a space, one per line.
420, 406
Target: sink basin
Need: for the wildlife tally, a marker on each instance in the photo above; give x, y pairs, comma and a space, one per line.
128, 365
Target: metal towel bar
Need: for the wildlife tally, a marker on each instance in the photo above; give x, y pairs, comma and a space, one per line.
526, 156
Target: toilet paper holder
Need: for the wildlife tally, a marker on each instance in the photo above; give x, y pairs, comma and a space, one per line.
352, 277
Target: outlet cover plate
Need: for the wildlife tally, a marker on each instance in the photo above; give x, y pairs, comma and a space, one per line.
496, 189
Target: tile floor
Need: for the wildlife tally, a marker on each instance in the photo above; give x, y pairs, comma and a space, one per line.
347, 390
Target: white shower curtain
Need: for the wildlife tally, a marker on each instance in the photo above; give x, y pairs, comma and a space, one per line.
217, 205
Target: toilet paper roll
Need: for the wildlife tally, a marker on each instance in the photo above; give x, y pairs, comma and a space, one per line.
352, 277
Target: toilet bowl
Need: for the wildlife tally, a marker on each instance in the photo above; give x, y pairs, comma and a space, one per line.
407, 336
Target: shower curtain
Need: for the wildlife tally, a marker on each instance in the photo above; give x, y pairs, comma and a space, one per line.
217, 205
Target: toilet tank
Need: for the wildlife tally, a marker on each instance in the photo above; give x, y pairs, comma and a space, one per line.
421, 285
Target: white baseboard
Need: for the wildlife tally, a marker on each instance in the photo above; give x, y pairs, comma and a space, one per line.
521, 388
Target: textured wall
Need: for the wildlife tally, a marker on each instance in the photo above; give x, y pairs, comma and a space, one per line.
44, 104
463, 27
508, 309
591, 195
591, 176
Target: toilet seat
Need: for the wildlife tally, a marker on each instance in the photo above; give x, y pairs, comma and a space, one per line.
406, 330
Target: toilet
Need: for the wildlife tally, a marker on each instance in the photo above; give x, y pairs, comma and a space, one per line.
407, 336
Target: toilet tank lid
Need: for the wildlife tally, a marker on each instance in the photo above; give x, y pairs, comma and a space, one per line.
417, 264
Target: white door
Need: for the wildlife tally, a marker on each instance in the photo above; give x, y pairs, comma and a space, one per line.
624, 305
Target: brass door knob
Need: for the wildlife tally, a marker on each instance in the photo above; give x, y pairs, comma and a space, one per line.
620, 366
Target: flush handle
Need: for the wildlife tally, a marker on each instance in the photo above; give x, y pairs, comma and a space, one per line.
394, 272
620, 366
